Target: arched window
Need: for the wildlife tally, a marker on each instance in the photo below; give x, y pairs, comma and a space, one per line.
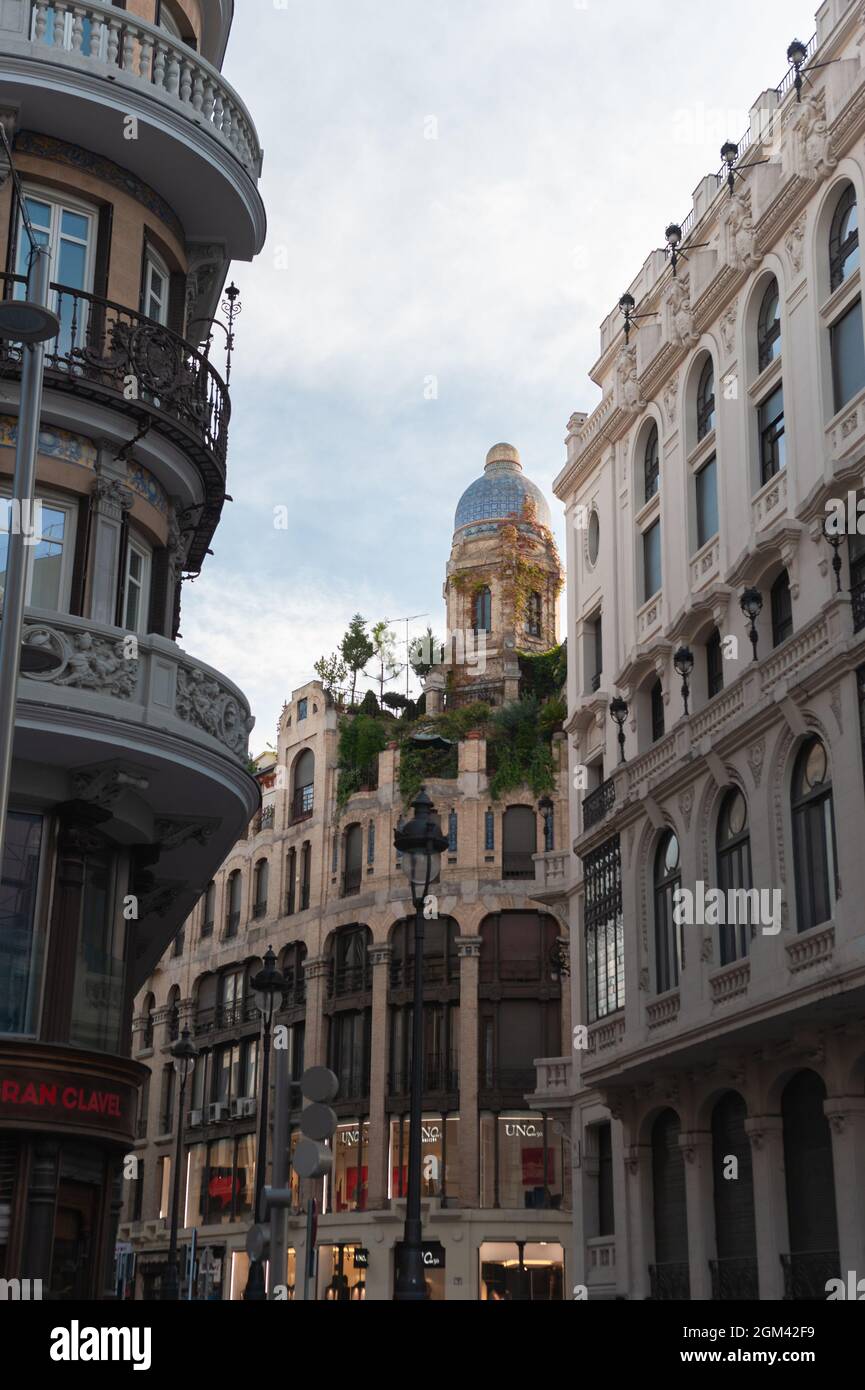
533, 615
813, 836
519, 842
657, 705
302, 790
482, 612
652, 463
782, 609
668, 936
260, 883
352, 863
232, 913
352, 972
809, 1173
733, 843
769, 326
844, 238
706, 400
670, 1278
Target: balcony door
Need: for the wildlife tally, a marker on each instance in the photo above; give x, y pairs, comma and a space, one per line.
69, 231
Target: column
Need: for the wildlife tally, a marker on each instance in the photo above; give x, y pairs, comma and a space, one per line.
315, 973
469, 952
379, 956
112, 501
641, 1247
766, 1133
846, 1116
697, 1150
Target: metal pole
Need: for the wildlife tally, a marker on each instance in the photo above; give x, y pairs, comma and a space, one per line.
308, 1254
23, 491
412, 1283
279, 1172
171, 1288
255, 1283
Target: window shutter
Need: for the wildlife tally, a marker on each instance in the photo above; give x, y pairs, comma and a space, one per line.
159, 593
103, 250
79, 562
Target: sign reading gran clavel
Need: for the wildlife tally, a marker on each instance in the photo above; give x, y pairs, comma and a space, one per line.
58, 1097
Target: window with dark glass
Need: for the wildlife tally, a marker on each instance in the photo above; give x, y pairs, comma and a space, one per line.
814, 853
844, 238
209, 915
483, 611
769, 326
606, 1205
657, 704
652, 464
706, 400
352, 872
303, 785
291, 882
349, 1046
668, 935
302, 709
706, 482
597, 652
22, 943
733, 843
260, 885
351, 967
370, 844
232, 916
489, 831
519, 842
773, 448
782, 609
453, 826
651, 560
100, 968
714, 664
604, 930
848, 356
533, 615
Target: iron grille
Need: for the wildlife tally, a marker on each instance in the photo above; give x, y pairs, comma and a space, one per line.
806, 1273
734, 1280
604, 929
598, 803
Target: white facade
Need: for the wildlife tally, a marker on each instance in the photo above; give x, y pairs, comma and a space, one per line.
745, 1044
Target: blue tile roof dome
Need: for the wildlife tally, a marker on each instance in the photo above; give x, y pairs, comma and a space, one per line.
500, 493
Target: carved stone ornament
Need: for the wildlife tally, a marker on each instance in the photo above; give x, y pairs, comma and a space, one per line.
160, 898
84, 661
111, 495
813, 154
644, 979
756, 754
104, 786
686, 805
727, 326
202, 701
738, 238
707, 950
172, 833
835, 706
670, 398
680, 319
628, 396
794, 243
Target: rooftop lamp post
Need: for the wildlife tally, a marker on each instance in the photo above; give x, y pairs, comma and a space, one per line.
268, 988
836, 539
545, 806
420, 844
796, 55
619, 713
684, 664
183, 1054
751, 604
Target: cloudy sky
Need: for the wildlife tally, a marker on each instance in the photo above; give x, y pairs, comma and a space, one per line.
458, 191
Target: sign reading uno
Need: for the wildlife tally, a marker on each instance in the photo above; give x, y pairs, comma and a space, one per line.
61, 1098
518, 1131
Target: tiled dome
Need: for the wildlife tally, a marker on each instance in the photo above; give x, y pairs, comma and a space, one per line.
500, 493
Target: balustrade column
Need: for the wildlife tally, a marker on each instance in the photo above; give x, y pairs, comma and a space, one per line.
380, 957
469, 952
766, 1133
111, 503
699, 1205
846, 1116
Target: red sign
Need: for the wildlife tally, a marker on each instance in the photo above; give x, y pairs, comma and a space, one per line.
63, 1098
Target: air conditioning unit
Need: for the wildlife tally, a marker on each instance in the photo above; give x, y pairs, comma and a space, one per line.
236, 1111
247, 1107
216, 1112
194, 1118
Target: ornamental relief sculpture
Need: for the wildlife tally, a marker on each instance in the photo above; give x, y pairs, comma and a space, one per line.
628, 395
202, 701
794, 244
811, 150
738, 237
84, 661
680, 319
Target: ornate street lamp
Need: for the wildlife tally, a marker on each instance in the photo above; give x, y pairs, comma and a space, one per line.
421, 844
268, 989
545, 806
673, 247
684, 664
619, 713
231, 306
184, 1054
796, 55
627, 305
835, 537
751, 604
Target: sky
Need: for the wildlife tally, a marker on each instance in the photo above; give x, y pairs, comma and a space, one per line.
457, 192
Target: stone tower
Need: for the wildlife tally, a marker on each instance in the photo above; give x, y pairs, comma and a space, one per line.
502, 588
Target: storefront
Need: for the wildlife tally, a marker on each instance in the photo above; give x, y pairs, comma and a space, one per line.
522, 1271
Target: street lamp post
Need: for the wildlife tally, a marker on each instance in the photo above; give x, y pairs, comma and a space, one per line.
30, 323
619, 713
269, 987
751, 604
421, 844
684, 664
184, 1055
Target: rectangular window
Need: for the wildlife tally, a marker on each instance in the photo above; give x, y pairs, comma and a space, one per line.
370, 844
452, 832
651, 560
782, 612
100, 968
848, 356
154, 296
489, 831
604, 931
657, 711
135, 588
707, 502
714, 665
773, 449
49, 532
22, 942
69, 231
606, 1209
302, 709
598, 652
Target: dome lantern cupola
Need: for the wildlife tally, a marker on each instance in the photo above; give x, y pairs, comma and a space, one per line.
499, 495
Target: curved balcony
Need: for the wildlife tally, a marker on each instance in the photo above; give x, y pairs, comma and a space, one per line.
153, 741
103, 349
63, 63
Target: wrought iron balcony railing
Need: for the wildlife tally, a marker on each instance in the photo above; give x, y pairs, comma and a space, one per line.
102, 347
807, 1272
671, 1281
735, 1279
302, 804
857, 595
440, 1073
598, 803
351, 881
350, 979
436, 971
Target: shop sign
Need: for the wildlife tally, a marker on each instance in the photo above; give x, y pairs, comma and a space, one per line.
361, 1257
61, 1098
433, 1255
